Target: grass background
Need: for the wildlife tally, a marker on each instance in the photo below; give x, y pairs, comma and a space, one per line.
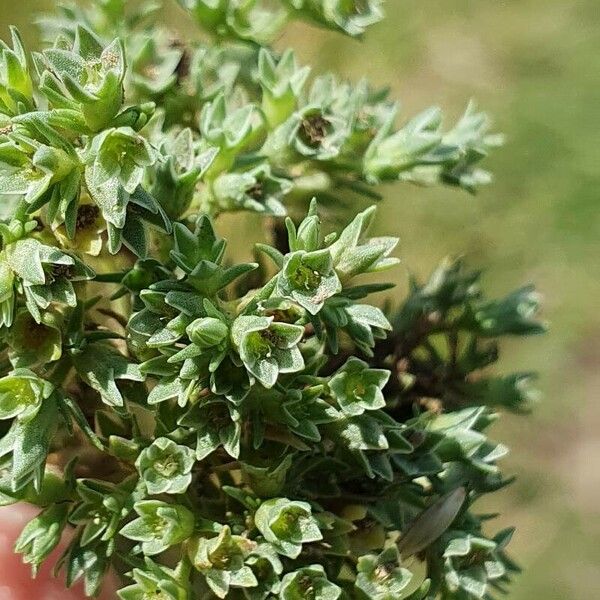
534, 65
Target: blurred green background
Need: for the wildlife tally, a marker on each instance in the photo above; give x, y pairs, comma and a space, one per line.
535, 66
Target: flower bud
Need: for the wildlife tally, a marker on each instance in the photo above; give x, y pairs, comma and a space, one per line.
207, 332
309, 582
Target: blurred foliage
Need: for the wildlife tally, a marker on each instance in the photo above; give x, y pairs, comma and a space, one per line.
534, 65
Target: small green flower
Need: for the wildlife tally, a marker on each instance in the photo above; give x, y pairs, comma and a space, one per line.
312, 132
267, 478
200, 254
158, 323
473, 563
32, 343
287, 524
221, 561
207, 332
421, 152
229, 129
159, 526
43, 274
217, 423
515, 314
22, 394
309, 279
120, 154
154, 582
216, 69
46, 274
268, 348
231, 380
381, 577
307, 236
246, 20
267, 567
154, 60
101, 365
177, 176
166, 467
357, 388
257, 190
394, 152
89, 229
309, 582
318, 135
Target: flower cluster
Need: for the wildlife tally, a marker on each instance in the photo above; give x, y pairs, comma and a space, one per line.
222, 429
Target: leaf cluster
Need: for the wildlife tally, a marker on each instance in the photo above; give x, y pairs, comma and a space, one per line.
222, 429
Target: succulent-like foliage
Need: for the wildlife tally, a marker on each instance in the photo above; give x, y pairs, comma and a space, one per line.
222, 429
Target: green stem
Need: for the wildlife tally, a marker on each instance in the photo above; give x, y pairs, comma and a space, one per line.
263, 294
110, 277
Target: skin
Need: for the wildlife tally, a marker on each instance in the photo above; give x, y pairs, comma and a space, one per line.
15, 577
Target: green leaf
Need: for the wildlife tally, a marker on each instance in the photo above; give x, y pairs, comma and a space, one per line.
42, 534
101, 366
431, 523
32, 445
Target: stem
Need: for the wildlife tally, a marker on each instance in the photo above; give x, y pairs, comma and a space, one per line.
262, 294
60, 372
109, 277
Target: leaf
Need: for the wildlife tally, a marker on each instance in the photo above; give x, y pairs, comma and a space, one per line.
110, 197
166, 390
100, 366
25, 260
431, 523
42, 534
32, 445
82, 422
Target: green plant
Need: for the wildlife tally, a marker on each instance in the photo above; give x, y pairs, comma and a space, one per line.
207, 426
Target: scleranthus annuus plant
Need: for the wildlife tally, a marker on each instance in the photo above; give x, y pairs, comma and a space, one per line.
213, 429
